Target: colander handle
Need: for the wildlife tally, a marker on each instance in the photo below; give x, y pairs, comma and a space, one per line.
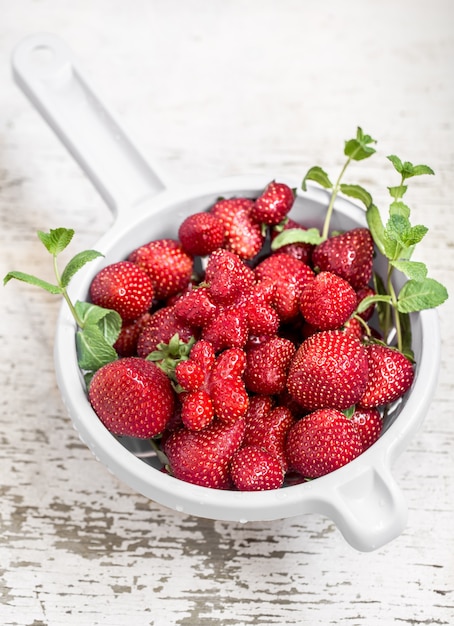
369, 508
49, 75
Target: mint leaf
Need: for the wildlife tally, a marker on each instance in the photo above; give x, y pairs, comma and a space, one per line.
33, 280
399, 208
407, 169
418, 170
359, 148
357, 192
398, 191
368, 300
398, 165
419, 295
414, 270
317, 175
107, 321
57, 239
93, 350
76, 263
296, 235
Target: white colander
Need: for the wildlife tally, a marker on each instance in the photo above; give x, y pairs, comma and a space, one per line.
362, 498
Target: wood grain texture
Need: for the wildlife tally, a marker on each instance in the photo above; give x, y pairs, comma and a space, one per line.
212, 89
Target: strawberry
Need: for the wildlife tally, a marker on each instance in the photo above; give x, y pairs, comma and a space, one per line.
267, 364
255, 469
289, 277
365, 292
201, 233
195, 307
227, 390
203, 457
321, 442
243, 235
214, 385
268, 428
227, 276
390, 375
354, 328
123, 287
328, 301
329, 369
167, 264
369, 424
162, 325
228, 329
197, 410
349, 255
126, 344
300, 250
273, 204
132, 397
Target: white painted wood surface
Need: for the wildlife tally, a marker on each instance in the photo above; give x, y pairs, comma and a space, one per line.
212, 89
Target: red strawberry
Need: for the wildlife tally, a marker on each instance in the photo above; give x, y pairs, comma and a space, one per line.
390, 376
267, 365
201, 233
227, 390
255, 469
227, 276
126, 344
269, 430
167, 264
124, 287
160, 328
354, 328
203, 457
327, 301
132, 397
349, 255
361, 294
243, 235
257, 305
259, 406
229, 329
220, 380
195, 307
329, 369
369, 424
289, 277
273, 204
300, 250
322, 442
197, 410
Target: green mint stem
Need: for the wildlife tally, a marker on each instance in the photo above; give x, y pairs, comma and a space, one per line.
397, 324
330, 209
65, 295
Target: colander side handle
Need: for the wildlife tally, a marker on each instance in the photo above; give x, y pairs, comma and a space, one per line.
369, 508
49, 75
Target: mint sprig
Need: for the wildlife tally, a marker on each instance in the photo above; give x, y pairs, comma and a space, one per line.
356, 149
396, 240
98, 328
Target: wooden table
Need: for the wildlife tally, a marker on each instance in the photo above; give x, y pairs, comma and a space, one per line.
212, 89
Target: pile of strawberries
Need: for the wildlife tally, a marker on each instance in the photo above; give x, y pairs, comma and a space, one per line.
258, 372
